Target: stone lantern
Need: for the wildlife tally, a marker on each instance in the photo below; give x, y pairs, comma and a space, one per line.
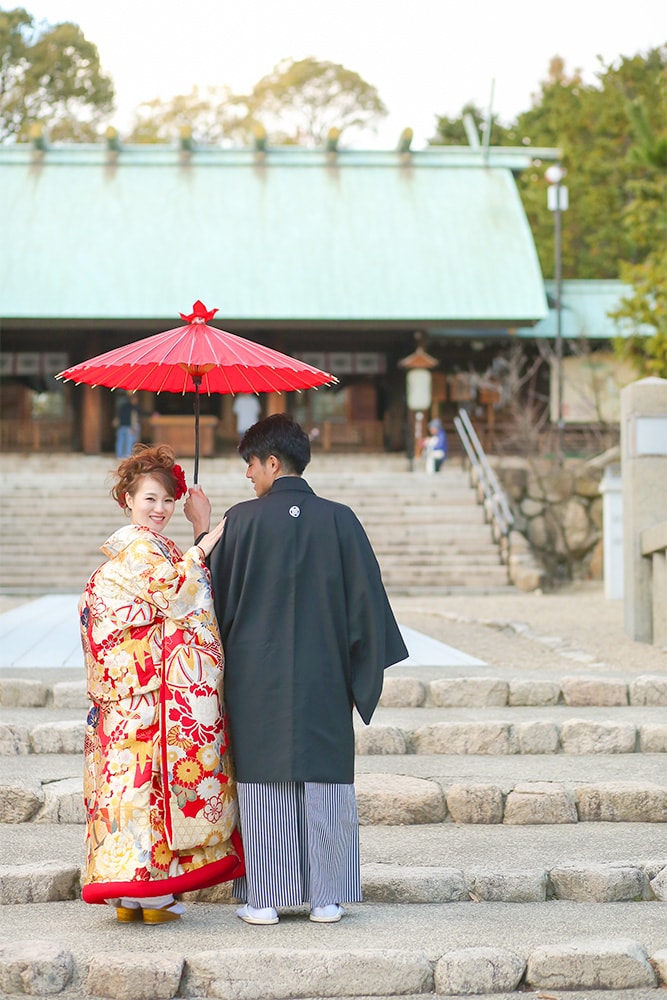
418, 367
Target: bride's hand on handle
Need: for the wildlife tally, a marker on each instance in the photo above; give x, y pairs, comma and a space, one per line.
211, 538
197, 509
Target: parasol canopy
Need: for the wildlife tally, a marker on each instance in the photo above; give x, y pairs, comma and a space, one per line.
197, 358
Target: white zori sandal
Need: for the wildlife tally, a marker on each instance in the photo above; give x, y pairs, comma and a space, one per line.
330, 914
252, 915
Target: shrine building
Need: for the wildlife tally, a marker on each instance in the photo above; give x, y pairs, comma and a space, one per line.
337, 256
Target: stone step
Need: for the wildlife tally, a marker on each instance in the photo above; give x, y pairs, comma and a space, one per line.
406, 791
538, 730
504, 771
52, 880
500, 848
484, 580
58, 687
445, 544
378, 949
444, 561
499, 688
541, 730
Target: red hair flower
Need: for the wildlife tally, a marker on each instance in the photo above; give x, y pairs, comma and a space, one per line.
179, 480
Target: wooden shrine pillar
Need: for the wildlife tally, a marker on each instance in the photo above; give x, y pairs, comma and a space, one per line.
91, 405
91, 420
276, 402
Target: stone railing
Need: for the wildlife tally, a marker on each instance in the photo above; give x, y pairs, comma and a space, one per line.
654, 547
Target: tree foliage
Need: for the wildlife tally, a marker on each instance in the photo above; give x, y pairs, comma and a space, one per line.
210, 116
590, 124
297, 103
642, 313
452, 131
50, 74
301, 100
642, 316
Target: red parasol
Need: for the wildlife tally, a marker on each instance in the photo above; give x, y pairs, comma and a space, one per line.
193, 358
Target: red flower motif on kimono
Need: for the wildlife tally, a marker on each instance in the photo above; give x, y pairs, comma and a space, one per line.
213, 809
161, 856
200, 690
202, 735
188, 772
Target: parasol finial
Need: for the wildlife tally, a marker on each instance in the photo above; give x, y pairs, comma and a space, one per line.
199, 314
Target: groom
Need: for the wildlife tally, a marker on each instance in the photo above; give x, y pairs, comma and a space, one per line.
307, 631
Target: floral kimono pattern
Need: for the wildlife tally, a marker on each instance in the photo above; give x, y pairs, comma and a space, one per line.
159, 789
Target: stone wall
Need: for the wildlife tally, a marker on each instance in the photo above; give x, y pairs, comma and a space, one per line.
557, 512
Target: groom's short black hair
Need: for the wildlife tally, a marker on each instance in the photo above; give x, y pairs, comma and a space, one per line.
277, 435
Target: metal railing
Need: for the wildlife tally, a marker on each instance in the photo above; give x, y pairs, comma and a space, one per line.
495, 502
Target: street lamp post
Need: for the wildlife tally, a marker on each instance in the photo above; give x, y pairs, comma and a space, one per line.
557, 201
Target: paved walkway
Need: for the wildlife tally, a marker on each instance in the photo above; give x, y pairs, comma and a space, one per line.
44, 633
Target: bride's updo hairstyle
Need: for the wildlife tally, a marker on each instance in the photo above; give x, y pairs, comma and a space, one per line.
145, 460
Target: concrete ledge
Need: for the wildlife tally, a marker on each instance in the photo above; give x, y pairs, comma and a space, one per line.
468, 692
396, 800
598, 883
598, 965
654, 539
282, 974
53, 881
39, 883
621, 802
478, 970
36, 968
480, 738
41, 968
409, 692
389, 799
138, 976
648, 690
18, 692
401, 884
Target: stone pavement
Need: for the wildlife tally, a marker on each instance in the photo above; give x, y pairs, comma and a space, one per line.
513, 803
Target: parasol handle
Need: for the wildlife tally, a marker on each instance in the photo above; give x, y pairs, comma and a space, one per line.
197, 382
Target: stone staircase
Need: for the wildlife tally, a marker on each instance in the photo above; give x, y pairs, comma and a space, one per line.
512, 838
428, 532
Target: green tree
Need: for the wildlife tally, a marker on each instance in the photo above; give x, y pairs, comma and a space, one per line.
589, 123
50, 74
300, 101
297, 103
452, 131
642, 313
211, 116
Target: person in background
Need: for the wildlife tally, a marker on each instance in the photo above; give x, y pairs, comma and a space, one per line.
308, 631
247, 409
160, 799
126, 422
435, 446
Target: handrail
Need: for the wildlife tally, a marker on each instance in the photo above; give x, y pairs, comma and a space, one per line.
497, 505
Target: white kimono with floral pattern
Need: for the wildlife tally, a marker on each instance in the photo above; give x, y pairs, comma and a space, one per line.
158, 784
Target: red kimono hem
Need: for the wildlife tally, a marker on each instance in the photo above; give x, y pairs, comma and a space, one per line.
224, 870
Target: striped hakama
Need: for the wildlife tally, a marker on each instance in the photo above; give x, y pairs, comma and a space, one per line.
301, 844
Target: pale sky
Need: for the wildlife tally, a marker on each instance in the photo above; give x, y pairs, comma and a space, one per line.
425, 57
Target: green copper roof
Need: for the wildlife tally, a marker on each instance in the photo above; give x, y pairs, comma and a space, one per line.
585, 308
292, 235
